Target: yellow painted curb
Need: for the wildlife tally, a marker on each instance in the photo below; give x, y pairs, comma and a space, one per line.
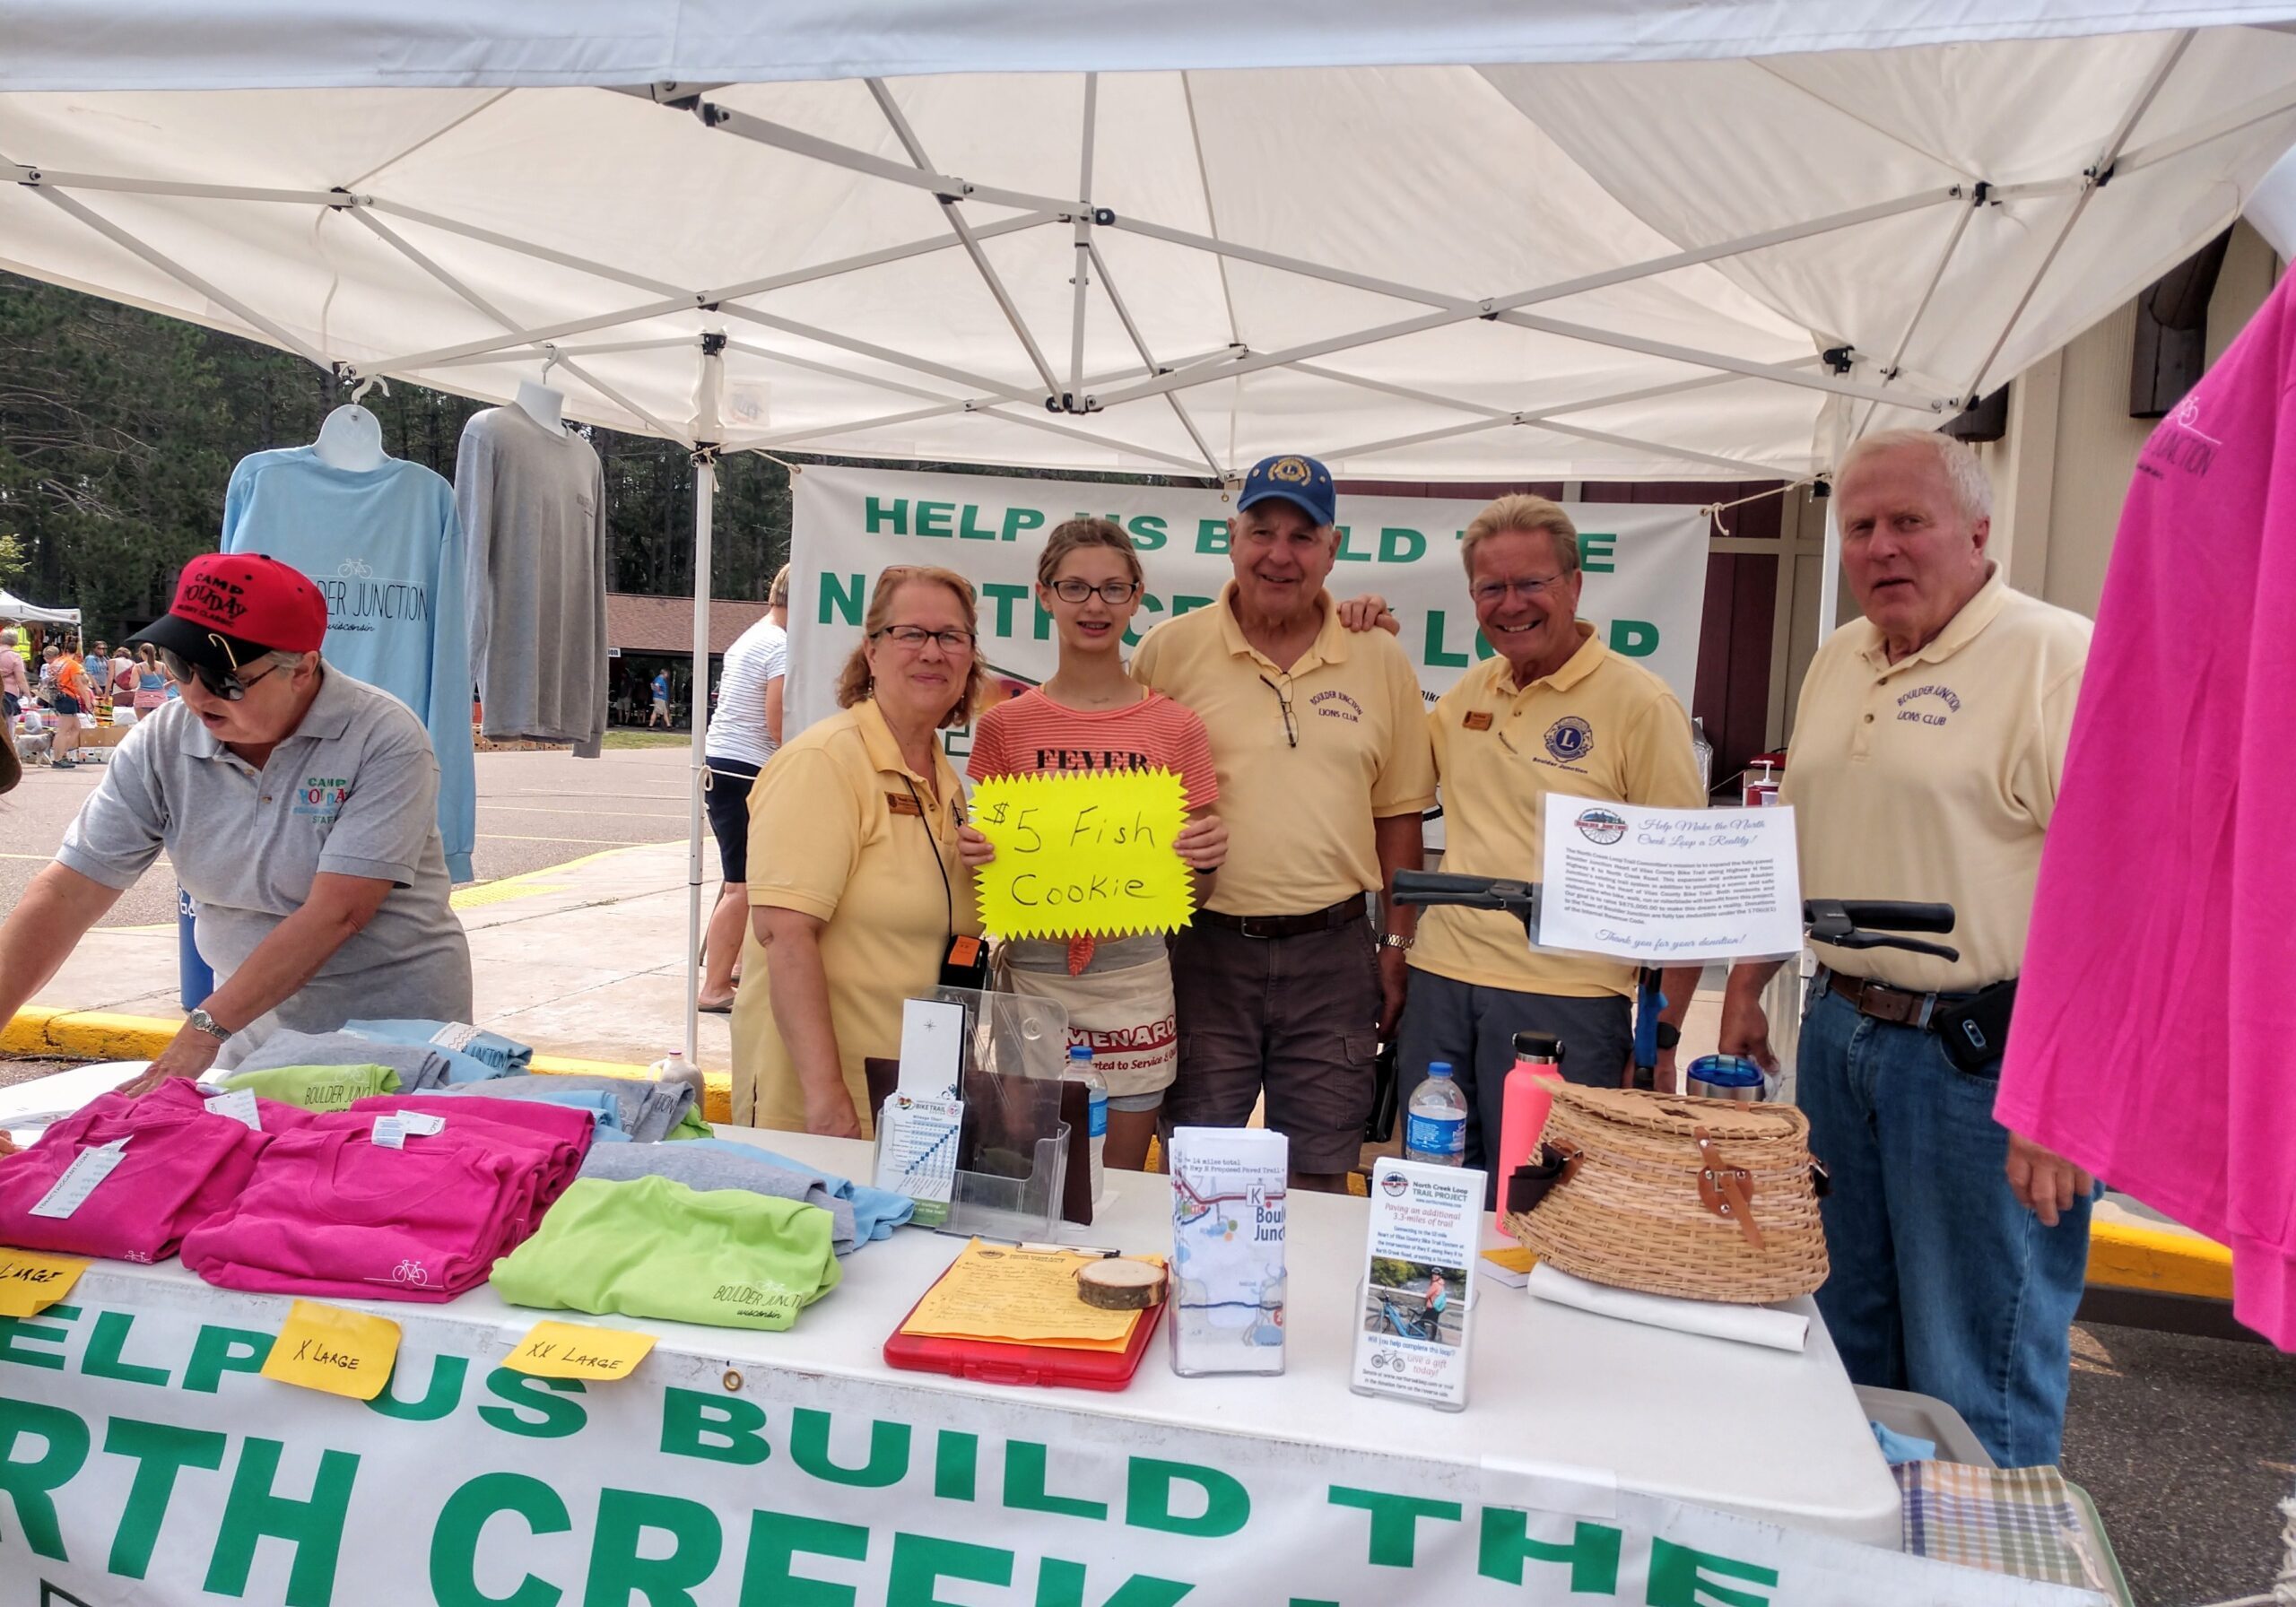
84, 1034
2158, 1261
94, 1034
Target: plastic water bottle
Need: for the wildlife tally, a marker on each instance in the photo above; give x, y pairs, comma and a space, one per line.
1080, 1070
672, 1068
1436, 1129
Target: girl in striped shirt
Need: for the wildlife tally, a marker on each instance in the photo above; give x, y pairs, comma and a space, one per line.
1092, 716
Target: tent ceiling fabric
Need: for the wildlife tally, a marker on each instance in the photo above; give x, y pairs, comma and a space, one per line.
1390, 240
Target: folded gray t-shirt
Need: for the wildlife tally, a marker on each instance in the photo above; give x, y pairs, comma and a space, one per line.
650, 1110
419, 1068
704, 1169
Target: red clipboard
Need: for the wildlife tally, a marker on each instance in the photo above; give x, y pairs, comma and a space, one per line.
998, 1361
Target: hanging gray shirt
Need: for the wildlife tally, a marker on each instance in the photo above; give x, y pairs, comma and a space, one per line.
352, 790
533, 504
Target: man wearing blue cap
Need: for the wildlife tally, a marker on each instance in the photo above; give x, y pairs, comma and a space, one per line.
1283, 986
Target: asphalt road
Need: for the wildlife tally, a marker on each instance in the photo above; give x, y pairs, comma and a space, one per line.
535, 811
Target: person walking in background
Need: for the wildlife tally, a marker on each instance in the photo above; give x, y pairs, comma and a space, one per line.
15, 680
72, 697
743, 733
661, 712
857, 889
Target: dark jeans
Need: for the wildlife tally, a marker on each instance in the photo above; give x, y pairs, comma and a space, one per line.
1942, 1281
1473, 1028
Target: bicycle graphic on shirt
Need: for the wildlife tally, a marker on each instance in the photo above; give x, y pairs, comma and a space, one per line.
410, 1271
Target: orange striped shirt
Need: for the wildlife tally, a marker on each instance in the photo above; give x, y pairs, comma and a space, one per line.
1032, 736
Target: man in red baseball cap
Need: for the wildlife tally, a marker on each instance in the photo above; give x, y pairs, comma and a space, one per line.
297, 806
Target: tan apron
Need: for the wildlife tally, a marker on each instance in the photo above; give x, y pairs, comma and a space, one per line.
1122, 1014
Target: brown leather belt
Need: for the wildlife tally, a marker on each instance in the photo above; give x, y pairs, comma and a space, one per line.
1287, 925
1884, 1003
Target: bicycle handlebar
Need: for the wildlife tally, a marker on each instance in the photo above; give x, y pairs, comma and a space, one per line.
1845, 923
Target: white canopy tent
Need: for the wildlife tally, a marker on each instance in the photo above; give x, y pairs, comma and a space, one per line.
1632, 240
15, 611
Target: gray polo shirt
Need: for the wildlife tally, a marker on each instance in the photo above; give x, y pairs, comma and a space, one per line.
353, 791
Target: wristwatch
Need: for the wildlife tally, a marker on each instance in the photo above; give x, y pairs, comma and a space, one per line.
1392, 940
199, 1021
1669, 1035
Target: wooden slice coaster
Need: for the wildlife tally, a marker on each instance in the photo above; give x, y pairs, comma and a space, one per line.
1118, 1284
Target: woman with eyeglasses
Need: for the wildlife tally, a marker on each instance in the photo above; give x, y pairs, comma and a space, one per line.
298, 808
857, 889
1092, 716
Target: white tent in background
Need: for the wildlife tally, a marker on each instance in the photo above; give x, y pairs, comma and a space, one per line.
1472, 240
15, 611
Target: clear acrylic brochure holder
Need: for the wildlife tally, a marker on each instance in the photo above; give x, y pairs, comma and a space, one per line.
1012, 1158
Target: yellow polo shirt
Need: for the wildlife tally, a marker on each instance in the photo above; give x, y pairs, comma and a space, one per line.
1299, 835
834, 833
1601, 726
1934, 779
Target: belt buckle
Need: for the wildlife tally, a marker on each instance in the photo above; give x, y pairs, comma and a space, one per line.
1250, 925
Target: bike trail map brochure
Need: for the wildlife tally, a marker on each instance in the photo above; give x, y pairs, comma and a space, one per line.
1420, 1255
1228, 1273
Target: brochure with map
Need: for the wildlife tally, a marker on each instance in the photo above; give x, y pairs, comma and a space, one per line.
1227, 1206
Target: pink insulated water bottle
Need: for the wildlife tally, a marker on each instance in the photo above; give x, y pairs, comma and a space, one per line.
1523, 1103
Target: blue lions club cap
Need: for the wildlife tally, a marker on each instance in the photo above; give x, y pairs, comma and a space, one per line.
1300, 480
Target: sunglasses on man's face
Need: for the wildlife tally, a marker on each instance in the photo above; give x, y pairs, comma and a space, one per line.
227, 684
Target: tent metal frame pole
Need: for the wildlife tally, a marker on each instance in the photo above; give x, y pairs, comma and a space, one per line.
1140, 344
676, 299
705, 500
2240, 116
706, 457
1751, 469
1500, 419
1920, 308
967, 237
1027, 420
176, 270
2097, 175
1830, 576
1081, 278
885, 354
552, 354
562, 353
765, 131
37, 178
1388, 387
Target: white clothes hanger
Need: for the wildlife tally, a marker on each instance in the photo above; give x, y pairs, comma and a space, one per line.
352, 438
546, 406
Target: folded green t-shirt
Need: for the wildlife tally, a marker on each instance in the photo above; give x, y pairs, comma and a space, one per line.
692, 1125
316, 1087
656, 1248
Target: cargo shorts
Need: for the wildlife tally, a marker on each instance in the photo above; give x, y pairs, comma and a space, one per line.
1297, 1018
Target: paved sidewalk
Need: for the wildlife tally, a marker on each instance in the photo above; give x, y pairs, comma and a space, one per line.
585, 959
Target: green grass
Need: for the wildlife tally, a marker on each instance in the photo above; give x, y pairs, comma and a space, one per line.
649, 739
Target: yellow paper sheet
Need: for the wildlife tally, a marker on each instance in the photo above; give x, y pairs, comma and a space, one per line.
30, 1282
329, 1348
577, 1350
1084, 854
1022, 1297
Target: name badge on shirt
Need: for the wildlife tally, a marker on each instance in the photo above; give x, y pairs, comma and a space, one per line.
903, 803
1478, 719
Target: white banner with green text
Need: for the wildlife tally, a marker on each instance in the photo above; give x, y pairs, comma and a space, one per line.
1645, 566
144, 1461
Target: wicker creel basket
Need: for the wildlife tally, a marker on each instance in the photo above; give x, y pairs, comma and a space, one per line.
1704, 1199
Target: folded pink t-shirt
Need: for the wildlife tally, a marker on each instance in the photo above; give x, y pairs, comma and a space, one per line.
180, 1166
329, 1212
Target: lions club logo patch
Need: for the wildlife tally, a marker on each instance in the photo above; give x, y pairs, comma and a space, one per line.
1600, 826
1290, 469
1570, 739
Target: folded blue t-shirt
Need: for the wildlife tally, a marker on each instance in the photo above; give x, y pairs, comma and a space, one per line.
507, 1056
876, 1212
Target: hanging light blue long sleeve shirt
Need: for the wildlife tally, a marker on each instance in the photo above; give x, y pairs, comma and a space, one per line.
385, 548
